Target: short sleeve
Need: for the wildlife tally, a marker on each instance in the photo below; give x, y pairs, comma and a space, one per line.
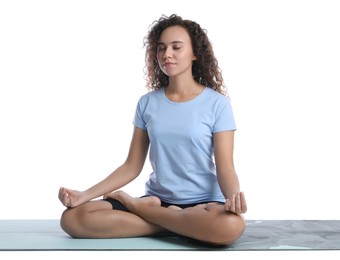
224, 117
138, 119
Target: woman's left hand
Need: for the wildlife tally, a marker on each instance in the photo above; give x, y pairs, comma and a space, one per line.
236, 204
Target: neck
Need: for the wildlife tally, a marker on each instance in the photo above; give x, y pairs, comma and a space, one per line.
182, 85
183, 90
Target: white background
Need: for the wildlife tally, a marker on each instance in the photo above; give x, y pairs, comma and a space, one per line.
71, 73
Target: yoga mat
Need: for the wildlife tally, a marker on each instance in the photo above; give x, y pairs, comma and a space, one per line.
260, 235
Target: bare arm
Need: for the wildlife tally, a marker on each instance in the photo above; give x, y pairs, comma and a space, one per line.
226, 174
124, 174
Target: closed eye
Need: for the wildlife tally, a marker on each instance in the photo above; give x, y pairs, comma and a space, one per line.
176, 45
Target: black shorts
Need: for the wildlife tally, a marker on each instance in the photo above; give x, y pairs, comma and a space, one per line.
116, 205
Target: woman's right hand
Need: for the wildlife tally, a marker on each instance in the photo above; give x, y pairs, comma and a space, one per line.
71, 198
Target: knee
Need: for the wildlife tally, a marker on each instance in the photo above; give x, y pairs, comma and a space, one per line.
227, 230
70, 222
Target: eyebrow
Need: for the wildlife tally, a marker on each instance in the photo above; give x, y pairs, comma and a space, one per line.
173, 42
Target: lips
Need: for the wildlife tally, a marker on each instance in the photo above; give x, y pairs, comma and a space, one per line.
168, 64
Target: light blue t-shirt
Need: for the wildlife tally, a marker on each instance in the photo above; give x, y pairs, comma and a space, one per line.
181, 144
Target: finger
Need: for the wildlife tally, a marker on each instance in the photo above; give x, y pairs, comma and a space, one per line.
107, 196
238, 209
232, 204
60, 192
243, 203
69, 203
227, 205
67, 200
64, 199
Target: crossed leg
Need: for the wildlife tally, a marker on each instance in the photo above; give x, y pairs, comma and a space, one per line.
209, 223
96, 219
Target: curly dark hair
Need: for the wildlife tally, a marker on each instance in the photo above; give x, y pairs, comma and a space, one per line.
205, 68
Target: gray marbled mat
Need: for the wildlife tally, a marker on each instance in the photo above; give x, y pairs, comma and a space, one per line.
46, 235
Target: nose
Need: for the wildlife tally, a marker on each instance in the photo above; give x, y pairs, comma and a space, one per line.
167, 53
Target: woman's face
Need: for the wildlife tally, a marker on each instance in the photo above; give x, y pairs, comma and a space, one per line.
174, 51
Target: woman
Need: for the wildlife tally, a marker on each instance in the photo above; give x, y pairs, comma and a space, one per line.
188, 123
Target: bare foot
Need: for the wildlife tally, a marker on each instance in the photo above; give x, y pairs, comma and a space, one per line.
174, 207
202, 206
133, 204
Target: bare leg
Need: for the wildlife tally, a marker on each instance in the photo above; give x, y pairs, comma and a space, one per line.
208, 222
96, 219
